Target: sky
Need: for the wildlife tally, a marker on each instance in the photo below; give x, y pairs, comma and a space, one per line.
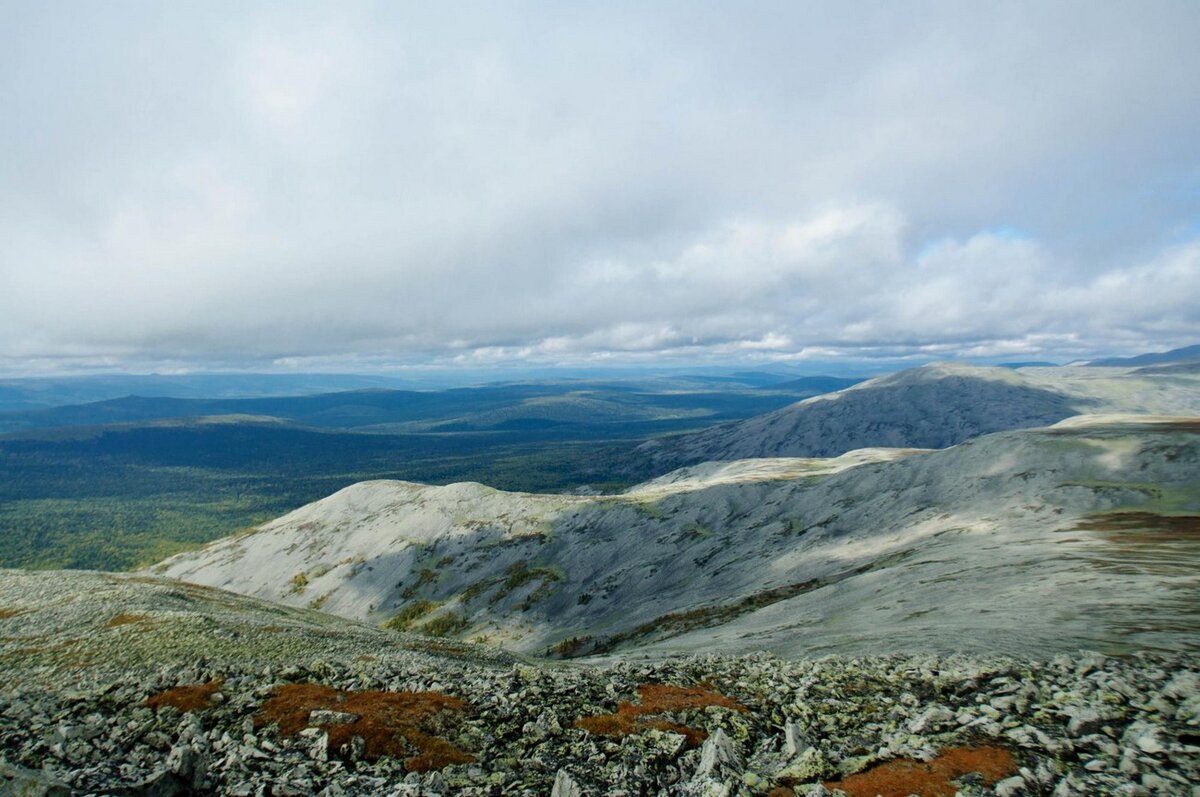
365, 186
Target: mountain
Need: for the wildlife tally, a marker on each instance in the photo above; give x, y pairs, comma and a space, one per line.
1184, 354
1025, 542
928, 407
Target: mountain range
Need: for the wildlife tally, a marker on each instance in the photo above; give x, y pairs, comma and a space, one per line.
886, 589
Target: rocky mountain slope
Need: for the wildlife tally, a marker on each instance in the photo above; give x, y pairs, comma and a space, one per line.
263, 699
933, 406
1080, 535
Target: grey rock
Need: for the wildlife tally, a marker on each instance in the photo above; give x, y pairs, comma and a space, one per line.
329, 717
16, 781
719, 757
1011, 787
932, 719
565, 785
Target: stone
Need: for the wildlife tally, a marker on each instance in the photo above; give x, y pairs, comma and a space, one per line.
931, 719
794, 741
565, 785
1085, 721
718, 757
328, 717
1148, 742
1011, 787
21, 782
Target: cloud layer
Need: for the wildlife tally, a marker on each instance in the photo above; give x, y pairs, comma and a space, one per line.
246, 184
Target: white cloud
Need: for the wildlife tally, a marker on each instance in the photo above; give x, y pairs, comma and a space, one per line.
228, 183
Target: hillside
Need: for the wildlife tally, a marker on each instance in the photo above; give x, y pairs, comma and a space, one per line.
1025, 542
933, 406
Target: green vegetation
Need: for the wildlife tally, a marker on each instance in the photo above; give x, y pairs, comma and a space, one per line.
75, 493
520, 574
404, 619
127, 498
444, 624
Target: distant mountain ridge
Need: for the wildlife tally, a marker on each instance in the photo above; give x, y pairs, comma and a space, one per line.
390, 410
932, 406
1184, 354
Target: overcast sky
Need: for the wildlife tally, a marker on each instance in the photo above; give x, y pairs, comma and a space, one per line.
353, 185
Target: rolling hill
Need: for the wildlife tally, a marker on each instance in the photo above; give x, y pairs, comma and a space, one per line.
1025, 542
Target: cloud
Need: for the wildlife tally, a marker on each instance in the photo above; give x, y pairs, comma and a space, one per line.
236, 184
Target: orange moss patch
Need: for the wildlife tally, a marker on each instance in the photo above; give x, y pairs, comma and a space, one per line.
194, 697
393, 724
656, 700
126, 619
903, 777
782, 791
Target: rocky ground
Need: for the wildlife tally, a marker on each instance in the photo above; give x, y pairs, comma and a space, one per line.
128, 685
713, 726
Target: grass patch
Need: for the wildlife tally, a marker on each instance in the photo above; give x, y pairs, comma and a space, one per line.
444, 624
520, 574
656, 701
935, 778
403, 619
426, 576
194, 697
405, 725
299, 583
1183, 526
126, 619
319, 601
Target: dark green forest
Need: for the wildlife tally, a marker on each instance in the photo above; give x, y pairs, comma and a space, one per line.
118, 484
